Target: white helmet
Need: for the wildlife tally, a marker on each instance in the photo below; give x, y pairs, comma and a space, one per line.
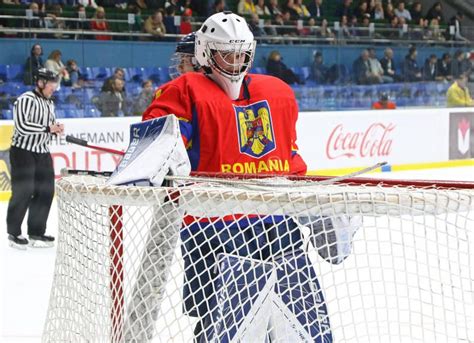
225, 48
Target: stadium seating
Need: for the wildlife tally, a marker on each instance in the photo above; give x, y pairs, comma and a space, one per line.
78, 103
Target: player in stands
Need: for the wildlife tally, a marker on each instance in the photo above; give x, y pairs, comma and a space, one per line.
183, 60
232, 122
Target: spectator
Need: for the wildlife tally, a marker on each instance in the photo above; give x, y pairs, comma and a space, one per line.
57, 23
362, 10
460, 65
402, 33
81, 24
354, 26
456, 22
444, 67
87, 3
310, 30
262, 9
315, 8
277, 68
112, 103
301, 9
289, 6
254, 24
218, 6
274, 8
144, 99
75, 76
416, 12
390, 13
33, 63
54, 64
378, 11
376, 69
434, 31
140, 4
344, 30
345, 9
318, 69
362, 70
119, 73
176, 5
384, 103
402, 12
246, 7
429, 69
436, 12
364, 30
154, 25
185, 27
388, 65
285, 29
324, 30
38, 16
168, 20
99, 23
458, 94
411, 71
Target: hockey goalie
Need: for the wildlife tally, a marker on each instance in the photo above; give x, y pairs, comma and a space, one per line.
246, 278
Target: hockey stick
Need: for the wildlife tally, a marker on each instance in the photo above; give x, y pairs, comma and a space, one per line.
219, 178
327, 181
84, 143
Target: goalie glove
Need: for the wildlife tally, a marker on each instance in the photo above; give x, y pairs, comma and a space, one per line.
332, 237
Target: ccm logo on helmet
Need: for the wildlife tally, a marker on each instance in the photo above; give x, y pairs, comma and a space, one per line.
237, 41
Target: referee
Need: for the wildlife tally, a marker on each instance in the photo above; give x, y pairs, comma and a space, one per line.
32, 173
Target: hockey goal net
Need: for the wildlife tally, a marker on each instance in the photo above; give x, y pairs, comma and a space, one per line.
273, 260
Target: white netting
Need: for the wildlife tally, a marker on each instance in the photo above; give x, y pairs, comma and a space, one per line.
296, 262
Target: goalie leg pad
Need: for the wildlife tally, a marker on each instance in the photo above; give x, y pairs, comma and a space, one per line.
202, 242
261, 301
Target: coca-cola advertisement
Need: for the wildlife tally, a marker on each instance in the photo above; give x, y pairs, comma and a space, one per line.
375, 140
461, 135
331, 141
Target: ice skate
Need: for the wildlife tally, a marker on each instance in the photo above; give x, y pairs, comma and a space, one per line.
43, 241
17, 242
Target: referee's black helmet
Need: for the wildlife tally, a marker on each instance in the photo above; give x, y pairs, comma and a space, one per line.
45, 75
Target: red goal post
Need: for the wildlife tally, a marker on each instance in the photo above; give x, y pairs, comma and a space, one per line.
138, 233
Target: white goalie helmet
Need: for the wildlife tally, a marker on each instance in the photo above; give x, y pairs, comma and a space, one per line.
225, 48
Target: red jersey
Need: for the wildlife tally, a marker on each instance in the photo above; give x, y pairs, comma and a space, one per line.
253, 134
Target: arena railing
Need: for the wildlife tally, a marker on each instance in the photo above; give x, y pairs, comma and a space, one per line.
375, 33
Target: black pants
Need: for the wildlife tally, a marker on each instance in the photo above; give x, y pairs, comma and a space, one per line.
32, 188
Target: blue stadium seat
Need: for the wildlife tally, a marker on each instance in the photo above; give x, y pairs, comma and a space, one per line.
137, 74
258, 70
3, 72
91, 112
99, 73
14, 72
164, 74
7, 114
305, 71
74, 113
86, 72
60, 113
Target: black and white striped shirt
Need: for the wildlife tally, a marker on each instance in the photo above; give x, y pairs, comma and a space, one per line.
33, 114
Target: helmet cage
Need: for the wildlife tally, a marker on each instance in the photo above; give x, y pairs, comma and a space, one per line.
231, 60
